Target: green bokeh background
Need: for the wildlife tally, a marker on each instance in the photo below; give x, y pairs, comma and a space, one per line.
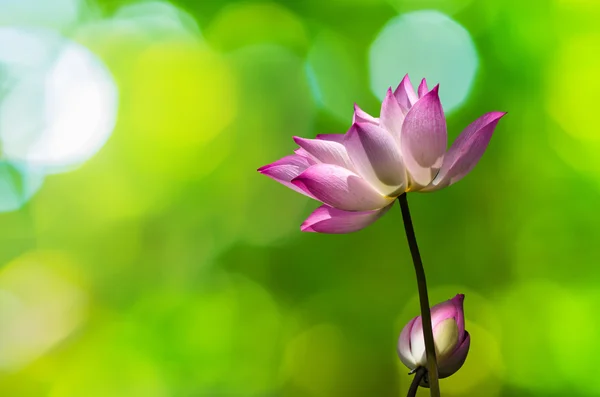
167, 266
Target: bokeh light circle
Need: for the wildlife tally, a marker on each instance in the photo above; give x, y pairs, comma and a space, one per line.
56, 14
547, 325
18, 183
425, 44
242, 24
572, 340
333, 75
268, 75
60, 102
42, 301
122, 364
136, 25
158, 18
232, 331
447, 6
314, 360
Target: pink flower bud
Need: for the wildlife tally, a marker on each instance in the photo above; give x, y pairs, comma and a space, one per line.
451, 340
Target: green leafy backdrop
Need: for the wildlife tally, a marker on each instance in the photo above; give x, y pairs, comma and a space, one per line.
166, 266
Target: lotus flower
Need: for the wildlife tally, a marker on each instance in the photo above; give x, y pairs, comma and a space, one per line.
451, 340
358, 175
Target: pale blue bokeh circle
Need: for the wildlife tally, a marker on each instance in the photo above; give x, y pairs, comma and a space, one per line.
425, 44
18, 183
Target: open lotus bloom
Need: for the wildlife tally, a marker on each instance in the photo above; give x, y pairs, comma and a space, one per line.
451, 340
358, 175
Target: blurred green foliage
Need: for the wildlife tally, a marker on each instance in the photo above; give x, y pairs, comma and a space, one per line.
167, 266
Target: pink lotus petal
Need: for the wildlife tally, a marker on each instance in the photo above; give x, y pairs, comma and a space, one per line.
450, 309
303, 153
457, 301
405, 93
331, 137
325, 137
417, 342
392, 116
326, 151
376, 156
286, 169
340, 188
404, 350
422, 90
360, 116
330, 220
453, 363
466, 150
424, 139
442, 311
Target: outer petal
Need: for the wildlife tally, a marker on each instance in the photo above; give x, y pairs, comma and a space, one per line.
330, 220
417, 343
331, 137
404, 348
326, 151
340, 188
286, 169
457, 301
456, 360
466, 150
326, 137
443, 311
422, 88
392, 115
376, 157
360, 116
303, 153
405, 93
424, 139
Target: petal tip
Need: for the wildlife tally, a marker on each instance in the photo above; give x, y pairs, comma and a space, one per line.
405, 80
432, 94
493, 117
458, 302
359, 127
459, 298
264, 168
306, 228
299, 180
298, 140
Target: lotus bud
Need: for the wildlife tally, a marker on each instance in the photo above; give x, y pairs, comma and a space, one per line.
451, 339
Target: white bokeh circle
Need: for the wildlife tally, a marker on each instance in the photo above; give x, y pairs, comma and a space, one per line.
425, 44
59, 102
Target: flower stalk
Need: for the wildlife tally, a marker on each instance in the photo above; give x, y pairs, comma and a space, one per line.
419, 374
423, 298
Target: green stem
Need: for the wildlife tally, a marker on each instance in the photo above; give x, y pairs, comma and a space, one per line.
423, 298
419, 374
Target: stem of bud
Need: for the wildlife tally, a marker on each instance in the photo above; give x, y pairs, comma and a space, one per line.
423, 298
419, 374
